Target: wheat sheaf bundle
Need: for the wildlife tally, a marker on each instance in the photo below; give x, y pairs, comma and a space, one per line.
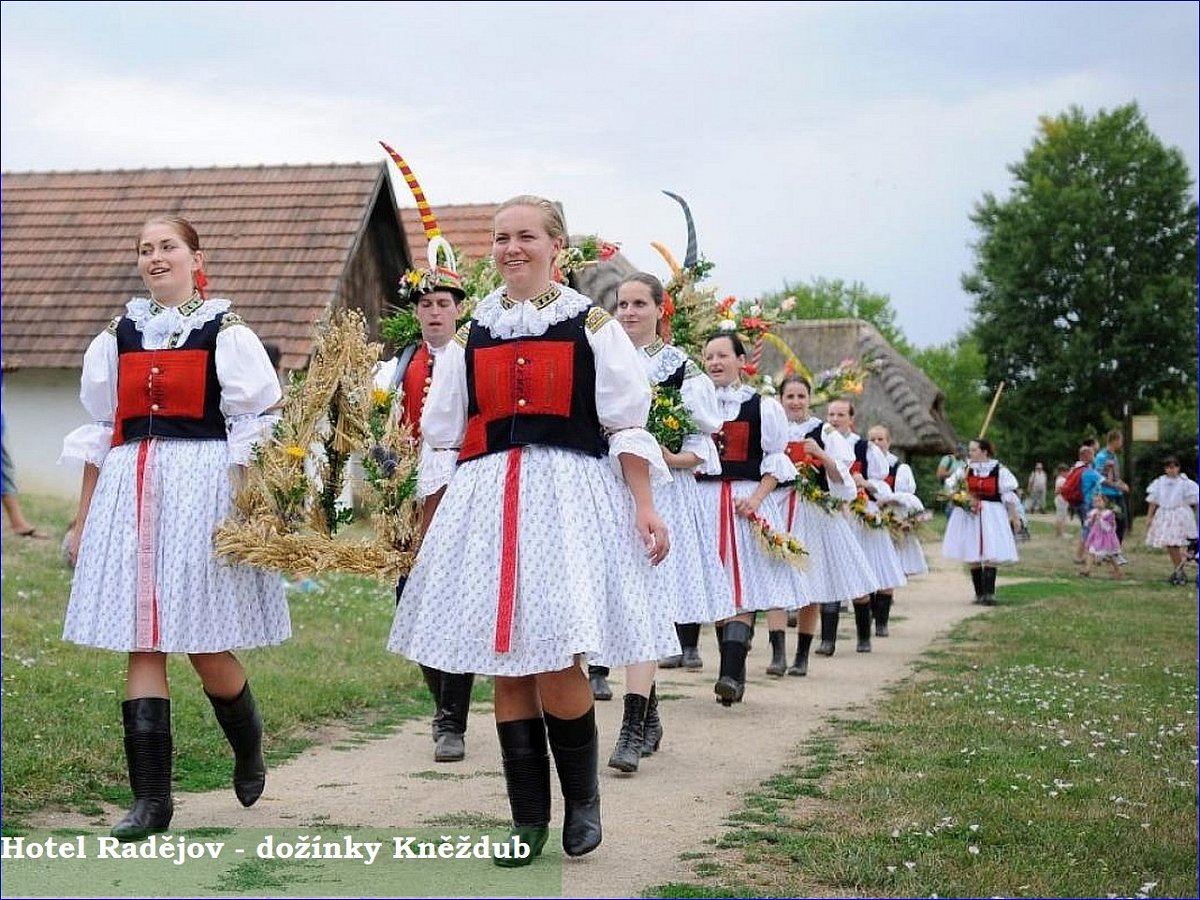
286, 515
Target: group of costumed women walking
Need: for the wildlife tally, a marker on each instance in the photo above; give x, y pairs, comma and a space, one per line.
534, 453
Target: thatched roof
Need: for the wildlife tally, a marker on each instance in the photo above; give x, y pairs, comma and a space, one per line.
897, 394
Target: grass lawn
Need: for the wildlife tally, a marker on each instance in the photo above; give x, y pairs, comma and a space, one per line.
62, 737
1048, 748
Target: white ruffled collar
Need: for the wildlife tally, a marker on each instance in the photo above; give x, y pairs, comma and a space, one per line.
808, 424
163, 326
661, 360
526, 318
983, 468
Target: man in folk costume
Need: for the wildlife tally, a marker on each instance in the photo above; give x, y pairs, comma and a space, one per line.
436, 296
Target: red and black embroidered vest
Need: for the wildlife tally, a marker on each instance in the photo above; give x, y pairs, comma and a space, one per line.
739, 442
796, 453
891, 475
415, 382
168, 393
532, 390
985, 487
859, 466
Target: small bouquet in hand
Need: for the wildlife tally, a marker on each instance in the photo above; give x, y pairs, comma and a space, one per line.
960, 498
809, 489
669, 421
859, 507
776, 543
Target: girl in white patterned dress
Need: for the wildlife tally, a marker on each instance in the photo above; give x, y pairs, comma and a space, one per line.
982, 536
177, 387
538, 553
1171, 520
899, 494
837, 571
689, 586
752, 442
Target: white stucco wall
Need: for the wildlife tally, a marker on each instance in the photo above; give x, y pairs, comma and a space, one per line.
40, 407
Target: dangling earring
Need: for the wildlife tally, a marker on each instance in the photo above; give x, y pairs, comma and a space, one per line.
201, 284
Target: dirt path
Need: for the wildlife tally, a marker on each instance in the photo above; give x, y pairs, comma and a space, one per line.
710, 756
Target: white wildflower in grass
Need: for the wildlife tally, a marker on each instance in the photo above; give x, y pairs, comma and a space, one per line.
972, 849
908, 864
891, 870
973, 827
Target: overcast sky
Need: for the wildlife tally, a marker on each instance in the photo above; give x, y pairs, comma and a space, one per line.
835, 140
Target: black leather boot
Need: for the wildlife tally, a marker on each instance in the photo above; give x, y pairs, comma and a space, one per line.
243, 729
800, 665
147, 722
576, 749
830, 614
881, 611
527, 781
689, 641
862, 626
652, 734
433, 681
450, 722
977, 581
989, 586
628, 752
778, 664
598, 677
731, 686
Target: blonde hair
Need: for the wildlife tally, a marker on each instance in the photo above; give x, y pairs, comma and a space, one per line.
552, 218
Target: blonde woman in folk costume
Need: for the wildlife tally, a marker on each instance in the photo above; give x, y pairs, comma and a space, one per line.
982, 535
539, 554
752, 441
689, 586
899, 492
837, 569
176, 387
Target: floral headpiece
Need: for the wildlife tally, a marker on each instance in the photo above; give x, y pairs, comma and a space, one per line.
587, 252
442, 274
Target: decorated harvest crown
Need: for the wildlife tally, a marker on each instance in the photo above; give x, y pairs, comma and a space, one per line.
442, 274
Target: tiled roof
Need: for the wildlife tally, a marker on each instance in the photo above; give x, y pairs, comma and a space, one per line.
279, 240
468, 228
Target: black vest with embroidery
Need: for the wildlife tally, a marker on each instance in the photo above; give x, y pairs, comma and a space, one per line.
739, 442
859, 466
538, 389
987, 486
822, 477
169, 393
891, 475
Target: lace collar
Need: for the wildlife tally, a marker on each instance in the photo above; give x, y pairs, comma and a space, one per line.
168, 326
805, 427
505, 319
662, 360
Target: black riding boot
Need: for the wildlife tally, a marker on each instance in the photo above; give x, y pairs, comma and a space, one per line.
628, 752
653, 732
989, 586
243, 729
450, 722
147, 722
830, 614
732, 684
576, 748
881, 611
689, 641
778, 663
862, 626
800, 665
977, 581
527, 781
598, 677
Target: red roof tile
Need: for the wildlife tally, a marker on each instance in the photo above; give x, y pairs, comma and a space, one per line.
468, 228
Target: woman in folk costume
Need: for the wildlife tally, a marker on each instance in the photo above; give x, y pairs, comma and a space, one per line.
868, 469
689, 586
538, 553
837, 569
982, 535
899, 495
436, 295
1171, 520
177, 387
751, 442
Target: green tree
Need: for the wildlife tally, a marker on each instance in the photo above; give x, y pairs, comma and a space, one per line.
1085, 281
825, 299
958, 368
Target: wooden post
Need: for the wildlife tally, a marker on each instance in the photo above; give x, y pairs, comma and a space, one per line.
987, 420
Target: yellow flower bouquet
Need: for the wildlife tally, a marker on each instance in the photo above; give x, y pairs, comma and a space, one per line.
669, 421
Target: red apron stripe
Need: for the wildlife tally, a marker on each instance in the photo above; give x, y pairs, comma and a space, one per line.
728, 548
510, 525
147, 599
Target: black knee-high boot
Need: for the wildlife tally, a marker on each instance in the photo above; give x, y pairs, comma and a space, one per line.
450, 722
778, 663
576, 749
862, 626
977, 582
147, 722
731, 686
989, 586
881, 611
830, 614
799, 666
689, 641
433, 681
527, 779
598, 678
243, 729
653, 732
628, 752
